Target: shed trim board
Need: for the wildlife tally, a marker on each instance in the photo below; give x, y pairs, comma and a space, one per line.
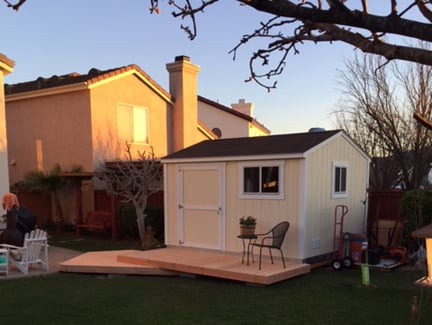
190, 215
262, 163
302, 210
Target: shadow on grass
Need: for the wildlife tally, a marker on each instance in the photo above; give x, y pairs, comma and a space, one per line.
91, 241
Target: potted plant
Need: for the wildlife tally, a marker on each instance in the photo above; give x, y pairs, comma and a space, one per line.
247, 225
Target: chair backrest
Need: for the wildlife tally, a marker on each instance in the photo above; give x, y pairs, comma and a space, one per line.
33, 241
278, 233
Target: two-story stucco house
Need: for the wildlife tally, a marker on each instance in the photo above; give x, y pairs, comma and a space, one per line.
84, 120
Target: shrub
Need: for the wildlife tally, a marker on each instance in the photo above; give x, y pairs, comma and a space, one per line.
127, 224
416, 206
126, 221
155, 218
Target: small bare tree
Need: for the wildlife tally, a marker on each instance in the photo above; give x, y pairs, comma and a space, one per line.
378, 103
134, 181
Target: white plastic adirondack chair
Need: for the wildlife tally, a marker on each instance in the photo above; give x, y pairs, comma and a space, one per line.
34, 242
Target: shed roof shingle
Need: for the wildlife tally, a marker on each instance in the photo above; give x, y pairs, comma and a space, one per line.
296, 143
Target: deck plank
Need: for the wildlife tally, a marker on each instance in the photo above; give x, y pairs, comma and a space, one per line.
215, 264
106, 262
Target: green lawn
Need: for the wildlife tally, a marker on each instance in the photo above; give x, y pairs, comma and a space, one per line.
321, 297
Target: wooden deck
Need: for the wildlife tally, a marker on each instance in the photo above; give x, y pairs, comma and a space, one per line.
176, 260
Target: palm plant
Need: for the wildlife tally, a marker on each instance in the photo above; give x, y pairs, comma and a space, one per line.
48, 182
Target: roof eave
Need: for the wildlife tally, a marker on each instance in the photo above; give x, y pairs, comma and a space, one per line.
233, 158
46, 92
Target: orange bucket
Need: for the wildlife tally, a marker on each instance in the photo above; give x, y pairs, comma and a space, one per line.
356, 247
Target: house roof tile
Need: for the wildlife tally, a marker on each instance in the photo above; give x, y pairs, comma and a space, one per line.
93, 76
296, 143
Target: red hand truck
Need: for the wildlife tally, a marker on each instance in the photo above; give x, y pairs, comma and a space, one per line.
341, 240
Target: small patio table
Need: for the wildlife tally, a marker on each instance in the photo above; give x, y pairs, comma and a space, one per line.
249, 239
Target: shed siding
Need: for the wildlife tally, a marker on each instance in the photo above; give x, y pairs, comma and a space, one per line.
320, 209
268, 212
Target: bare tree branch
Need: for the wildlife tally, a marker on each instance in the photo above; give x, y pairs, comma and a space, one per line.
15, 6
293, 23
426, 12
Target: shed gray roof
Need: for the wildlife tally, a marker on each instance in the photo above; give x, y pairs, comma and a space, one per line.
295, 143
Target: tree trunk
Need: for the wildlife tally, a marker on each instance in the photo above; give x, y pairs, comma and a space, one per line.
58, 213
140, 222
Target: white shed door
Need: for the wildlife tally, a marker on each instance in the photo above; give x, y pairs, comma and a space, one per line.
201, 207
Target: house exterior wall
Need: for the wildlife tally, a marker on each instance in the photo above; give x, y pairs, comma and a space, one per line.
127, 90
44, 131
319, 209
230, 125
255, 131
5, 68
80, 127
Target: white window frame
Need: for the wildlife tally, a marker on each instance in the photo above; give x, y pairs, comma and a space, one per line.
263, 195
135, 124
339, 194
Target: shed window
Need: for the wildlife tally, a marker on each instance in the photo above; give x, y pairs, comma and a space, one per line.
340, 179
132, 124
261, 180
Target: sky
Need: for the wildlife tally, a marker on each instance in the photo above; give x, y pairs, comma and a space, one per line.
54, 37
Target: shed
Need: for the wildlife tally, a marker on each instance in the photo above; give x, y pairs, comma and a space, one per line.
299, 178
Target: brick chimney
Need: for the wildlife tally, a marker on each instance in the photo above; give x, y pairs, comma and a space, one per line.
243, 107
183, 87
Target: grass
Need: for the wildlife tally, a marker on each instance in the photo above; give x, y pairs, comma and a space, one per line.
321, 297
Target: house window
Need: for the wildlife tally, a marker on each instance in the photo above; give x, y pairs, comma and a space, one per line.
340, 180
261, 180
132, 124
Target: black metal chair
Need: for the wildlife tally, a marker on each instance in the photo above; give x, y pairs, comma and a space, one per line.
272, 239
